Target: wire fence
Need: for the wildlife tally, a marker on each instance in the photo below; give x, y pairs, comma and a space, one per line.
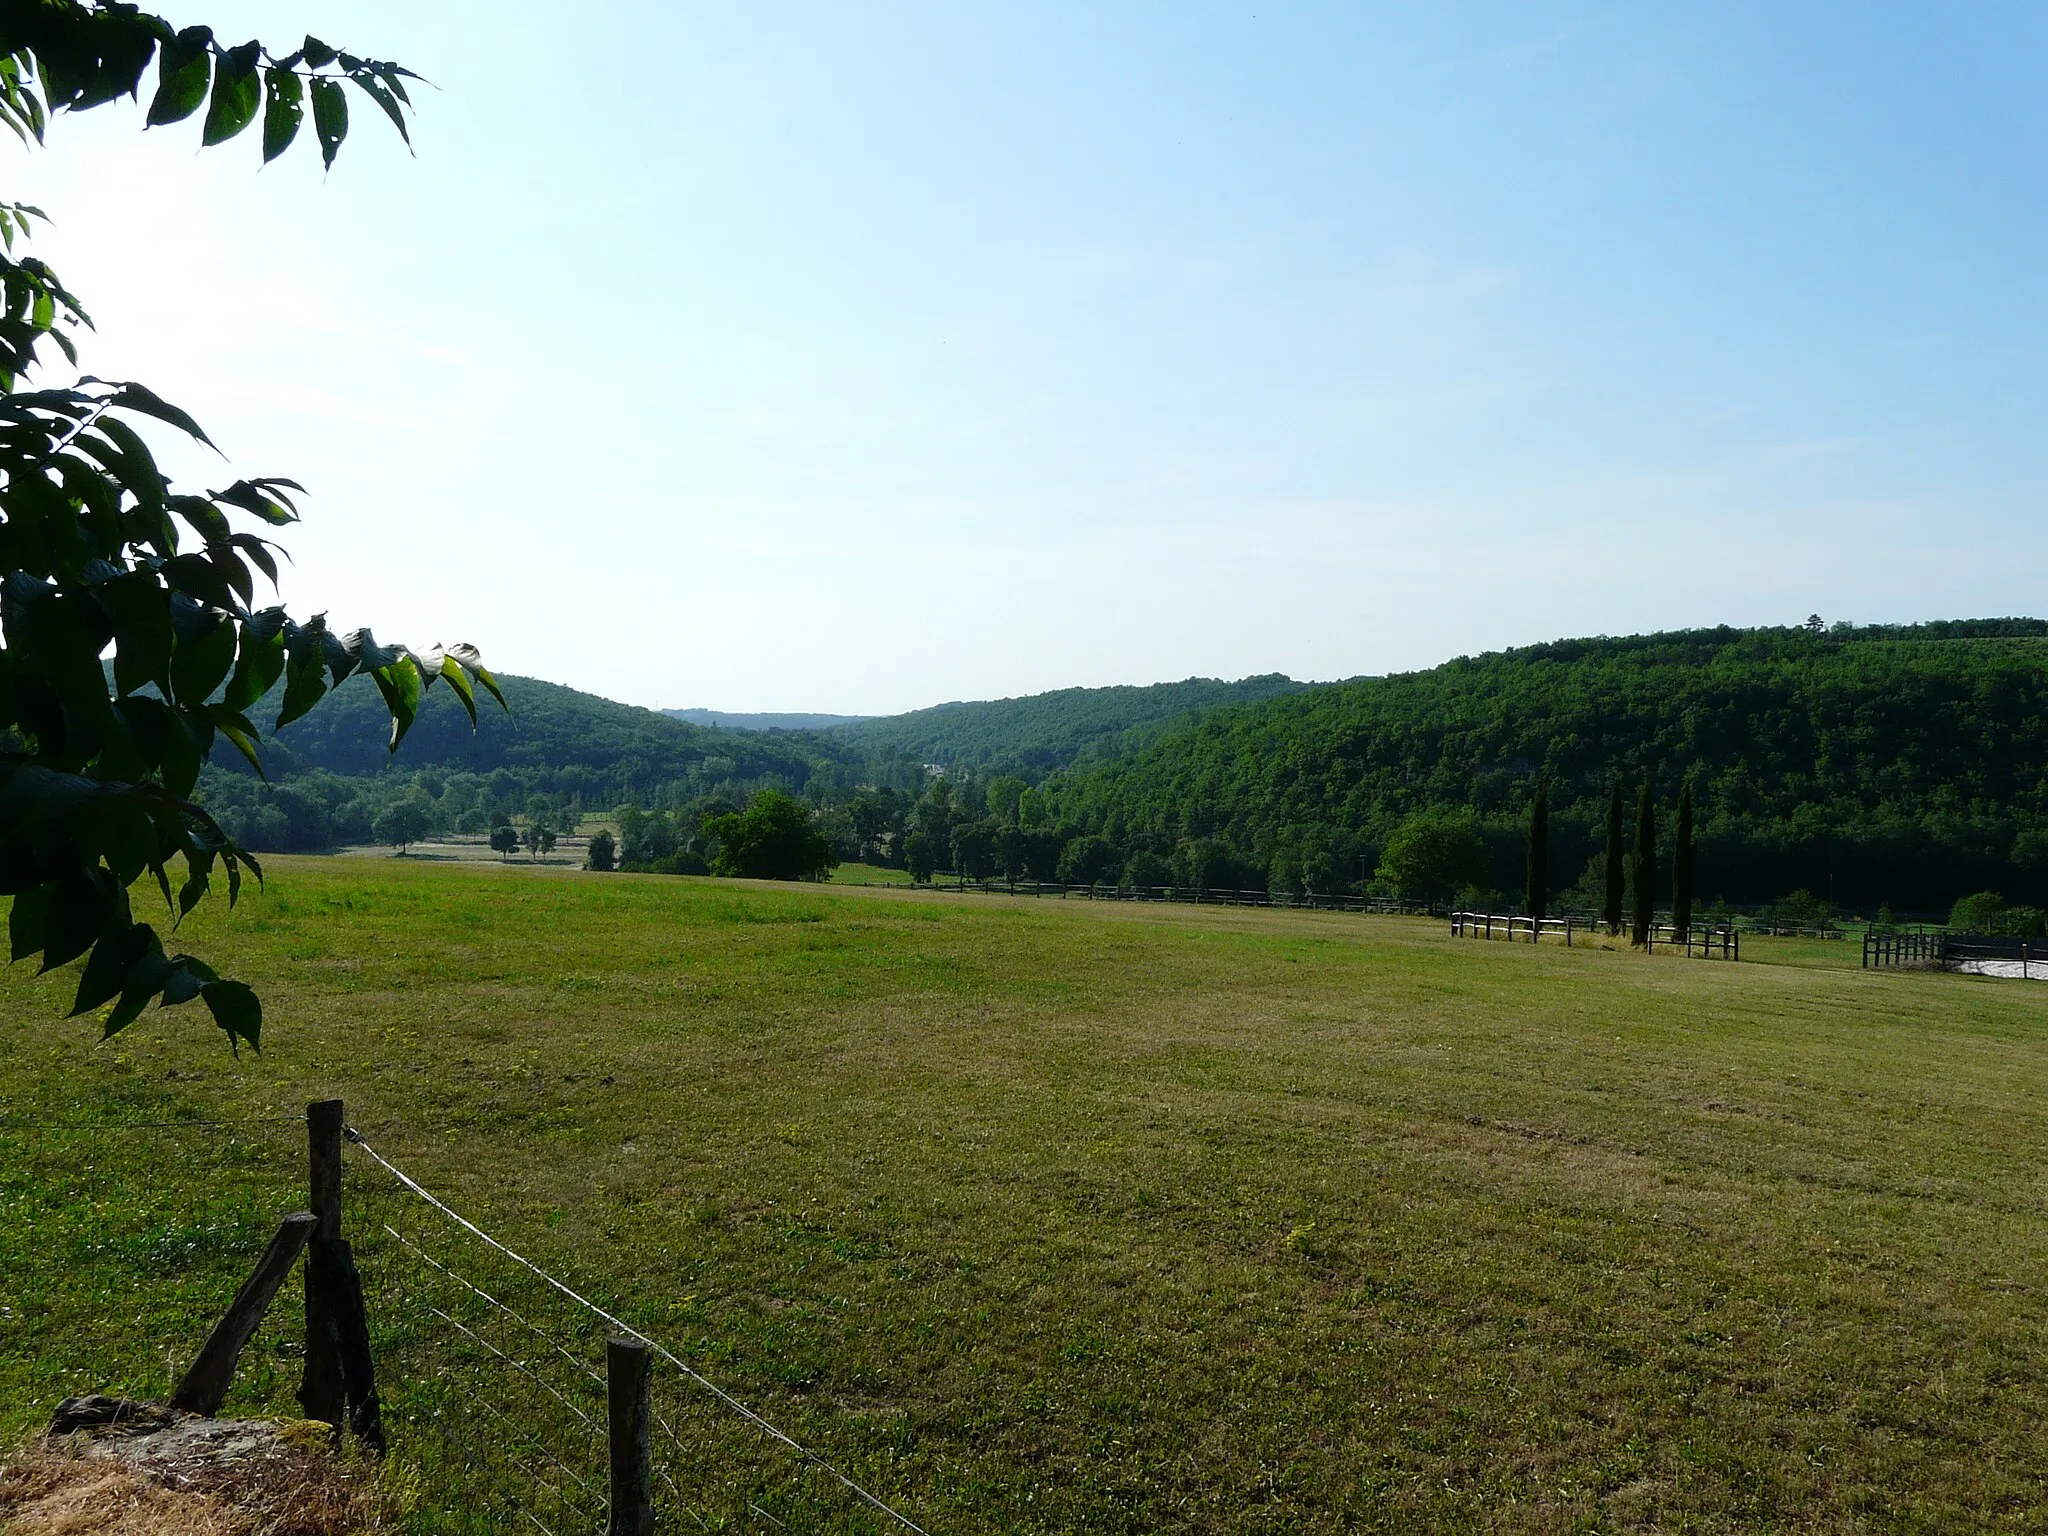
496, 1387
490, 1368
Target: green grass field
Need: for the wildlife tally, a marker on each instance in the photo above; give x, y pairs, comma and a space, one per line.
1060, 1216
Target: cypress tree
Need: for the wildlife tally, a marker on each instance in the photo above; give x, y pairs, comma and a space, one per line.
1616, 877
1681, 862
1538, 896
1645, 866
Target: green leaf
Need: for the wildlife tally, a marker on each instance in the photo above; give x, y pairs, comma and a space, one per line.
330, 118
236, 93
459, 681
143, 479
400, 685
200, 579
317, 53
257, 666
244, 739
304, 686
471, 660
134, 397
185, 981
204, 652
80, 911
378, 92
25, 924
145, 980
187, 740
183, 68
246, 495
283, 110
106, 973
236, 1009
139, 609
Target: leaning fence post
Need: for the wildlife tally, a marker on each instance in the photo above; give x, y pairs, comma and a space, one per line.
321, 1392
205, 1385
625, 1391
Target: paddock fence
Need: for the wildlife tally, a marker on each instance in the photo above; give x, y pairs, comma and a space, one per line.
1513, 927
1718, 941
1309, 901
511, 1396
1984, 954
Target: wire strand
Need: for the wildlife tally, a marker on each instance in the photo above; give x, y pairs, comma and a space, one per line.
355, 1138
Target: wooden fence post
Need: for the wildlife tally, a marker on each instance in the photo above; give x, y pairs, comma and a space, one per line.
625, 1391
321, 1392
331, 1267
205, 1385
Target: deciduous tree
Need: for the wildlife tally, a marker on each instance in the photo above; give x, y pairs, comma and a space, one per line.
401, 823
1434, 855
772, 839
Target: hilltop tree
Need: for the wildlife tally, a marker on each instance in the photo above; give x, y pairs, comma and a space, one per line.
1681, 862
1616, 874
1644, 873
1537, 897
98, 762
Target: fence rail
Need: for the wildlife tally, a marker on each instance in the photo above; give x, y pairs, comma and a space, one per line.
1213, 896
1709, 941
1890, 951
1512, 927
1987, 954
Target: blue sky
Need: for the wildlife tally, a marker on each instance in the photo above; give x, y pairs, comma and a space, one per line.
854, 358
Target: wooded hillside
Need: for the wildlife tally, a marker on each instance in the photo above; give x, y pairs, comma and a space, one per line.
1908, 764
1047, 730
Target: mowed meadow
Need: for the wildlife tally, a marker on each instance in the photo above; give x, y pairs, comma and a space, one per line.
1062, 1216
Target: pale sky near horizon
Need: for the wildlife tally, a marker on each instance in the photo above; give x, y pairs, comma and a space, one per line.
857, 358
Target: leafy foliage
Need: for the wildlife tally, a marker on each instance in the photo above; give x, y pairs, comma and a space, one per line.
772, 839
1987, 912
101, 553
1911, 763
1434, 855
1046, 730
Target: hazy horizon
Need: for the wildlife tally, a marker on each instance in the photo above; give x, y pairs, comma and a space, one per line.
869, 358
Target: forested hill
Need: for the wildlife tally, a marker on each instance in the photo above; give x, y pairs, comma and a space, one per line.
1910, 764
1046, 730
576, 742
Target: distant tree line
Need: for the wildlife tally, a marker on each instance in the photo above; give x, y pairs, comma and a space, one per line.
1903, 767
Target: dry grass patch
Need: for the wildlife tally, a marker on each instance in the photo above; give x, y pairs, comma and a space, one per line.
68, 1486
